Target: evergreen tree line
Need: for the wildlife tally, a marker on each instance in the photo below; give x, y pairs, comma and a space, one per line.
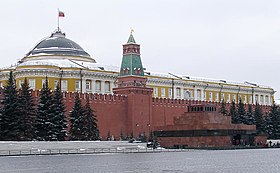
265, 123
22, 120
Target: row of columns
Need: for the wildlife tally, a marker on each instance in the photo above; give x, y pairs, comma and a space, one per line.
196, 94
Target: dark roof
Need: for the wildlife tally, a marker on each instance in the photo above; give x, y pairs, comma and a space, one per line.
57, 44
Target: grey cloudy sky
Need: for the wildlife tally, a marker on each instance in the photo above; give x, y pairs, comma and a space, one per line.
235, 40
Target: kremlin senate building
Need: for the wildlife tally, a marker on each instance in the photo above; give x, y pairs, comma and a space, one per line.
128, 99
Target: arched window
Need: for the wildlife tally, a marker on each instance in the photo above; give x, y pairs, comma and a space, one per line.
107, 87
97, 86
187, 94
198, 94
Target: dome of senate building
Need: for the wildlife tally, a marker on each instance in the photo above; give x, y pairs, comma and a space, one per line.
56, 47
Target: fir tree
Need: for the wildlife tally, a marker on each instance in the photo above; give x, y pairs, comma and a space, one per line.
58, 120
250, 116
43, 124
108, 136
241, 113
27, 112
268, 126
121, 136
90, 130
223, 108
131, 135
259, 119
151, 136
272, 123
233, 114
76, 119
10, 115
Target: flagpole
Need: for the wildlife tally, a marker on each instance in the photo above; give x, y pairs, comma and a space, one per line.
58, 19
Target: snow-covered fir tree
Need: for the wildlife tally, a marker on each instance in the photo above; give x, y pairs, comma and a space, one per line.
10, 115
272, 123
233, 114
241, 112
27, 112
268, 126
43, 125
76, 119
250, 119
258, 115
58, 120
223, 109
90, 130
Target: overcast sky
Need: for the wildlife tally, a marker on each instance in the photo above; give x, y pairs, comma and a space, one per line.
234, 40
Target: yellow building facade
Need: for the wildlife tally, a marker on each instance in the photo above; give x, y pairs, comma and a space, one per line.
64, 62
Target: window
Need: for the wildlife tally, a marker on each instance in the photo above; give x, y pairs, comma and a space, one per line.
266, 100
107, 87
251, 99
222, 96
32, 83
187, 94
162, 92
198, 94
55, 83
204, 95
178, 92
170, 92
210, 96
44, 82
78, 85
155, 92
261, 99
20, 82
228, 98
217, 97
64, 86
88, 85
234, 97
256, 98
98, 86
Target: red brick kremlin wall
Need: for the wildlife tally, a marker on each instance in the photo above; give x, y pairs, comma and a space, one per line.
115, 113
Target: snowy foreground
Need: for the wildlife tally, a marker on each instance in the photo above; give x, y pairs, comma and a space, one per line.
31, 145
9, 148
193, 161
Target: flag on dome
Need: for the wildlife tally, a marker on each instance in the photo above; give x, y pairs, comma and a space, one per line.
61, 14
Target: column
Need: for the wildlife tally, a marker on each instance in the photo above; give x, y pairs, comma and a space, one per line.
195, 94
174, 92
202, 95
103, 87
93, 86
253, 100
83, 85
182, 93
111, 87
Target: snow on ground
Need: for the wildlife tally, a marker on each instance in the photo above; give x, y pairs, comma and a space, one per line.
43, 145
